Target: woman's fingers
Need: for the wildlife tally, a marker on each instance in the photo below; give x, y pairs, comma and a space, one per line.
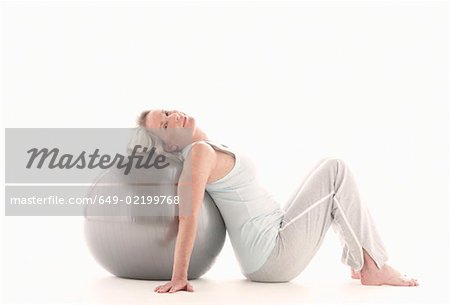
176, 288
157, 287
163, 288
172, 287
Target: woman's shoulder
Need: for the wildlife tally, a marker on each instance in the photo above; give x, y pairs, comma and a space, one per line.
202, 148
202, 144
198, 148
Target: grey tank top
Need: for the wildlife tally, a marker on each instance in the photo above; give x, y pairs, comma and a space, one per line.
251, 214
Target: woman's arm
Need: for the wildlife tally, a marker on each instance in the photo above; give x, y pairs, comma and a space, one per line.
191, 189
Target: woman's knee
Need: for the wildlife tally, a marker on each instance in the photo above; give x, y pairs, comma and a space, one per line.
332, 162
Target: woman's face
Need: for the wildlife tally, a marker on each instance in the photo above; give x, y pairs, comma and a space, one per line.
173, 127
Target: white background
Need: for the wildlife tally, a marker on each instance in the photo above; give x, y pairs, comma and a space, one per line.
287, 83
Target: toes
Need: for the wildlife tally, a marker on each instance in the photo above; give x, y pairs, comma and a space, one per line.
410, 281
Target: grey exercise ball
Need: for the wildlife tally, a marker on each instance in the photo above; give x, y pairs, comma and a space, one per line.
142, 247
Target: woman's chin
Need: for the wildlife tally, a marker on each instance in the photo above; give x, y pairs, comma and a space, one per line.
190, 122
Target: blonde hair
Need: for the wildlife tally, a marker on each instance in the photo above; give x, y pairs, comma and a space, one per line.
141, 118
144, 137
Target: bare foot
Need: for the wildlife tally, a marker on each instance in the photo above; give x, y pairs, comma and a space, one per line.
355, 275
385, 276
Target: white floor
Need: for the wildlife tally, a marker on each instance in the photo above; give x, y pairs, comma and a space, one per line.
111, 290
107, 289
47, 265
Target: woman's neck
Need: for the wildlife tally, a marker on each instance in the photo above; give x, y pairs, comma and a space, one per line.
199, 135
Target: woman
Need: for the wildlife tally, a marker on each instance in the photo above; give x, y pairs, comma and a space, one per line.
271, 244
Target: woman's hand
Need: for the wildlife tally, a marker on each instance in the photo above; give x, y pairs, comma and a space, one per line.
174, 286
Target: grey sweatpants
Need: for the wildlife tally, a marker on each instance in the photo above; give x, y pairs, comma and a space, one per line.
327, 197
